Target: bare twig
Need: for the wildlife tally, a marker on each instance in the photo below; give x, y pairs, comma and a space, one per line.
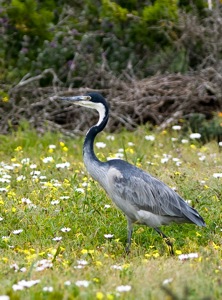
26, 80
161, 100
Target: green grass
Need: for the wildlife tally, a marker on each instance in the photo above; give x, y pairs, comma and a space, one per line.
69, 198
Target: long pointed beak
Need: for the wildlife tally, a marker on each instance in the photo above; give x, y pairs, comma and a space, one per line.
75, 98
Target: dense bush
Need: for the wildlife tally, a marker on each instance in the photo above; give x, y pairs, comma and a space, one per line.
79, 38
25, 25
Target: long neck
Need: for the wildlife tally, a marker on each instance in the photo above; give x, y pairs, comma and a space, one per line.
88, 147
90, 159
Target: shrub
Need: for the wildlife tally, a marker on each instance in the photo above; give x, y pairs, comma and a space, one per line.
79, 38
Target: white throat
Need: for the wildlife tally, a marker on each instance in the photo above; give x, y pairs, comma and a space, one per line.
97, 106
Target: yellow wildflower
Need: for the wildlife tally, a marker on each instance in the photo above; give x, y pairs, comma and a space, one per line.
216, 247
98, 263
156, 254
19, 148
138, 164
177, 173
126, 266
84, 251
130, 150
140, 230
11, 194
5, 99
5, 259
109, 296
31, 257
99, 295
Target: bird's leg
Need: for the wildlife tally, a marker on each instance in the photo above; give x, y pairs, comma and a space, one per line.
166, 239
129, 235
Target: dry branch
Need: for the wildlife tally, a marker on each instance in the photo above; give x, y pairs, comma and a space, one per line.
161, 100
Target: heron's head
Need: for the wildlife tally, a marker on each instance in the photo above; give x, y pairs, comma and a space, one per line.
91, 100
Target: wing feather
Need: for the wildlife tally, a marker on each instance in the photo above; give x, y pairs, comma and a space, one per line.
145, 192
148, 193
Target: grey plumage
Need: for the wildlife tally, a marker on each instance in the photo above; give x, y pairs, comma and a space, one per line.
137, 186
143, 198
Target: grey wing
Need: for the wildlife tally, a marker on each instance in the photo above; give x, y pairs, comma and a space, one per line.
148, 193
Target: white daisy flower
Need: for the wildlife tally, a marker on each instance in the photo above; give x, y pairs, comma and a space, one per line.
100, 145
217, 175
33, 166
35, 173
108, 236
84, 283
110, 137
188, 256
55, 202
21, 177
63, 165
43, 264
65, 229
48, 159
173, 139
184, 141
52, 146
57, 238
25, 161
82, 262
18, 231
107, 206
4, 297
176, 127
123, 288
48, 289
149, 137
24, 284
167, 281
195, 135
116, 267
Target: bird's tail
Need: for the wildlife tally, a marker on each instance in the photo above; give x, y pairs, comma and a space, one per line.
194, 217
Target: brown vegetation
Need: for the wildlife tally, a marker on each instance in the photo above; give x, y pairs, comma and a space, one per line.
160, 100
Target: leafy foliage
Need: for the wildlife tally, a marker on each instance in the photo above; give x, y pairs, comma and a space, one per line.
75, 38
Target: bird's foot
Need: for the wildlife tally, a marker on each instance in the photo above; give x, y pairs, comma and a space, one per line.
127, 250
170, 245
